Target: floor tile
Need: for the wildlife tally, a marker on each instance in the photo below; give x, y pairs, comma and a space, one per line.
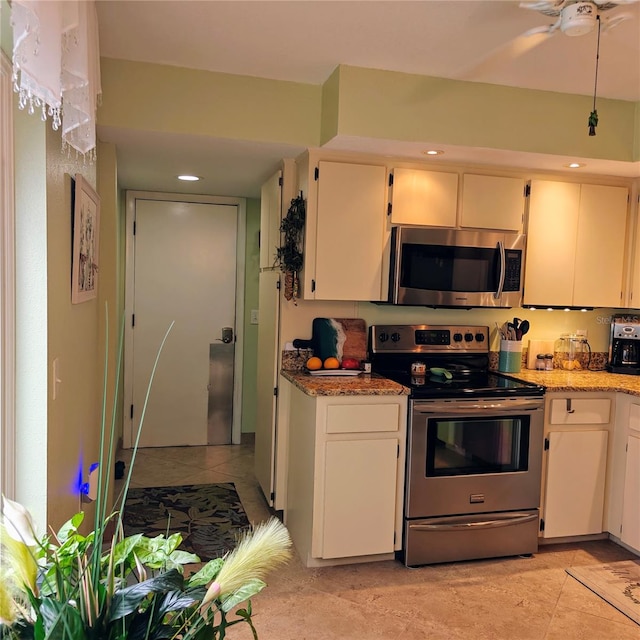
515, 598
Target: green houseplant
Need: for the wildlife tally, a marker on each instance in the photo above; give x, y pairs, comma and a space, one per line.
108, 586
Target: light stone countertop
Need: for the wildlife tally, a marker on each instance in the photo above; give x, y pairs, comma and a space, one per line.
560, 380
375, 385
361, 385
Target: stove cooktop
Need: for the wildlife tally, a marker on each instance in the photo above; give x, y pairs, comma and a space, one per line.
487, 385
463, 350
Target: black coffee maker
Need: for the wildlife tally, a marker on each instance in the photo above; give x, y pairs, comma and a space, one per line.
624, 347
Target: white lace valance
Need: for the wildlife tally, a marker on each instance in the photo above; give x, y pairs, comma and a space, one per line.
56, 65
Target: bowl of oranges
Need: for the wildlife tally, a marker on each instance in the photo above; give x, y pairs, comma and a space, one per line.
332, 366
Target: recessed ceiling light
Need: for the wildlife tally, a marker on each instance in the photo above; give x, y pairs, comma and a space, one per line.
433, 152
188, 178
575, 165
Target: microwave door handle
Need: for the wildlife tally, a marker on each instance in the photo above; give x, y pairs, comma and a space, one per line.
503, 266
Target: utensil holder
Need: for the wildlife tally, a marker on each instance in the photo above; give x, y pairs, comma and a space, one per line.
510, 357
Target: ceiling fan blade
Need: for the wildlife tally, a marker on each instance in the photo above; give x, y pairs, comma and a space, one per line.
549, 5
519, 46
613, 21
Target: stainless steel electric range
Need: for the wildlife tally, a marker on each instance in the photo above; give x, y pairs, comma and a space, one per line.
474, 450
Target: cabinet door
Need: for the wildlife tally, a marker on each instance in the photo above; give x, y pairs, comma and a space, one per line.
574, 496
350, 232
270, 212
600, 246
359, 497
492, 202
552, 229
631, 501
267, 381
424, 197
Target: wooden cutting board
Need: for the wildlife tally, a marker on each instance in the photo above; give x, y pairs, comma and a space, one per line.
337, 337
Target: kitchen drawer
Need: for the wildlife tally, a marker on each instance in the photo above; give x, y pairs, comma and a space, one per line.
362, 418
634, 417
580, 411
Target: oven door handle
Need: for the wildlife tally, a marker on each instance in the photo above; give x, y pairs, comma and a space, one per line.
503, 269
462, 408
437, 525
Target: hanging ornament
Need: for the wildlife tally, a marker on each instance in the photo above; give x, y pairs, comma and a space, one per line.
593, 116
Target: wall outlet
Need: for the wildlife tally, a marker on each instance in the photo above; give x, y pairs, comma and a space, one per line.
255, 316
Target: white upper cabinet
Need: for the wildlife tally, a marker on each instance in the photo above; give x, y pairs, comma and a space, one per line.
600, 251
492, 202
421, 197
570, 226
551, 243
346, 232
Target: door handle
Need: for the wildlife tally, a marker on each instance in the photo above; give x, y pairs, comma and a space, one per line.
227, 335
503, 264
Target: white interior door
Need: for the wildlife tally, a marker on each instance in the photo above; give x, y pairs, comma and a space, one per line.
185, 270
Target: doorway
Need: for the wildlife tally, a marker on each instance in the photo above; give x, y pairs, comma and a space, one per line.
184, 265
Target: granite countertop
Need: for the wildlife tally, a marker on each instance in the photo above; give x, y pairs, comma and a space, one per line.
360, 385
375, 385
560, 380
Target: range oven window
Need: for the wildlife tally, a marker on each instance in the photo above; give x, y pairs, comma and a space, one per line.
473, 446
449, 268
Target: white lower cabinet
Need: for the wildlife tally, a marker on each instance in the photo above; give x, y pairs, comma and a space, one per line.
576, 467
630, 533
359, 498
345, 477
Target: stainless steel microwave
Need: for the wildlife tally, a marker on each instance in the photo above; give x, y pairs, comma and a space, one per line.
456, 268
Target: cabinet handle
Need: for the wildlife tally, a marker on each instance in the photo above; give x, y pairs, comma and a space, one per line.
569, 409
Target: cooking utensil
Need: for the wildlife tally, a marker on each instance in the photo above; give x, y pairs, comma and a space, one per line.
524, 328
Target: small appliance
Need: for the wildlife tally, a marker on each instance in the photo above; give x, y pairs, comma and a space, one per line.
624, 346
456, 268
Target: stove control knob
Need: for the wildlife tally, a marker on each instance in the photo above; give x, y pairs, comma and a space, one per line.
468, 337
395, 337
383, 337
457, 337
480, 337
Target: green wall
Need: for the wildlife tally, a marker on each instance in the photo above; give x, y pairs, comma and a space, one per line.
368, 103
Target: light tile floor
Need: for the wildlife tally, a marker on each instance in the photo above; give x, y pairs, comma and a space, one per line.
502, 599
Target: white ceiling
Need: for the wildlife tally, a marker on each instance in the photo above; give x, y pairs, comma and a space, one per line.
305, 40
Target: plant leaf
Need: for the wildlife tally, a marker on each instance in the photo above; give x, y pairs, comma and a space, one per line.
183, 557
179, 600
245, 592
61, 620
127, 600
207, 573
70, 526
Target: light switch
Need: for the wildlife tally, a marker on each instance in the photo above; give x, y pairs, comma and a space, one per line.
254, 316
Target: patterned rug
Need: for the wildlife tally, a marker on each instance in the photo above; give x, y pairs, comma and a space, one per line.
209, 516
616, 582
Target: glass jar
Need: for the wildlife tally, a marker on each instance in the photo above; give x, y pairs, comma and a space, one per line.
540, 364
548, 362
569, 349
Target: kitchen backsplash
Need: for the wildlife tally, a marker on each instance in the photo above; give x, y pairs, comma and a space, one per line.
597, 362
294, 360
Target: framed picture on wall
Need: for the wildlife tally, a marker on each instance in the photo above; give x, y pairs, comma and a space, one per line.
86, 227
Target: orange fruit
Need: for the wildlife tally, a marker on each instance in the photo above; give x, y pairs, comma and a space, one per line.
314, 363
332, 363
